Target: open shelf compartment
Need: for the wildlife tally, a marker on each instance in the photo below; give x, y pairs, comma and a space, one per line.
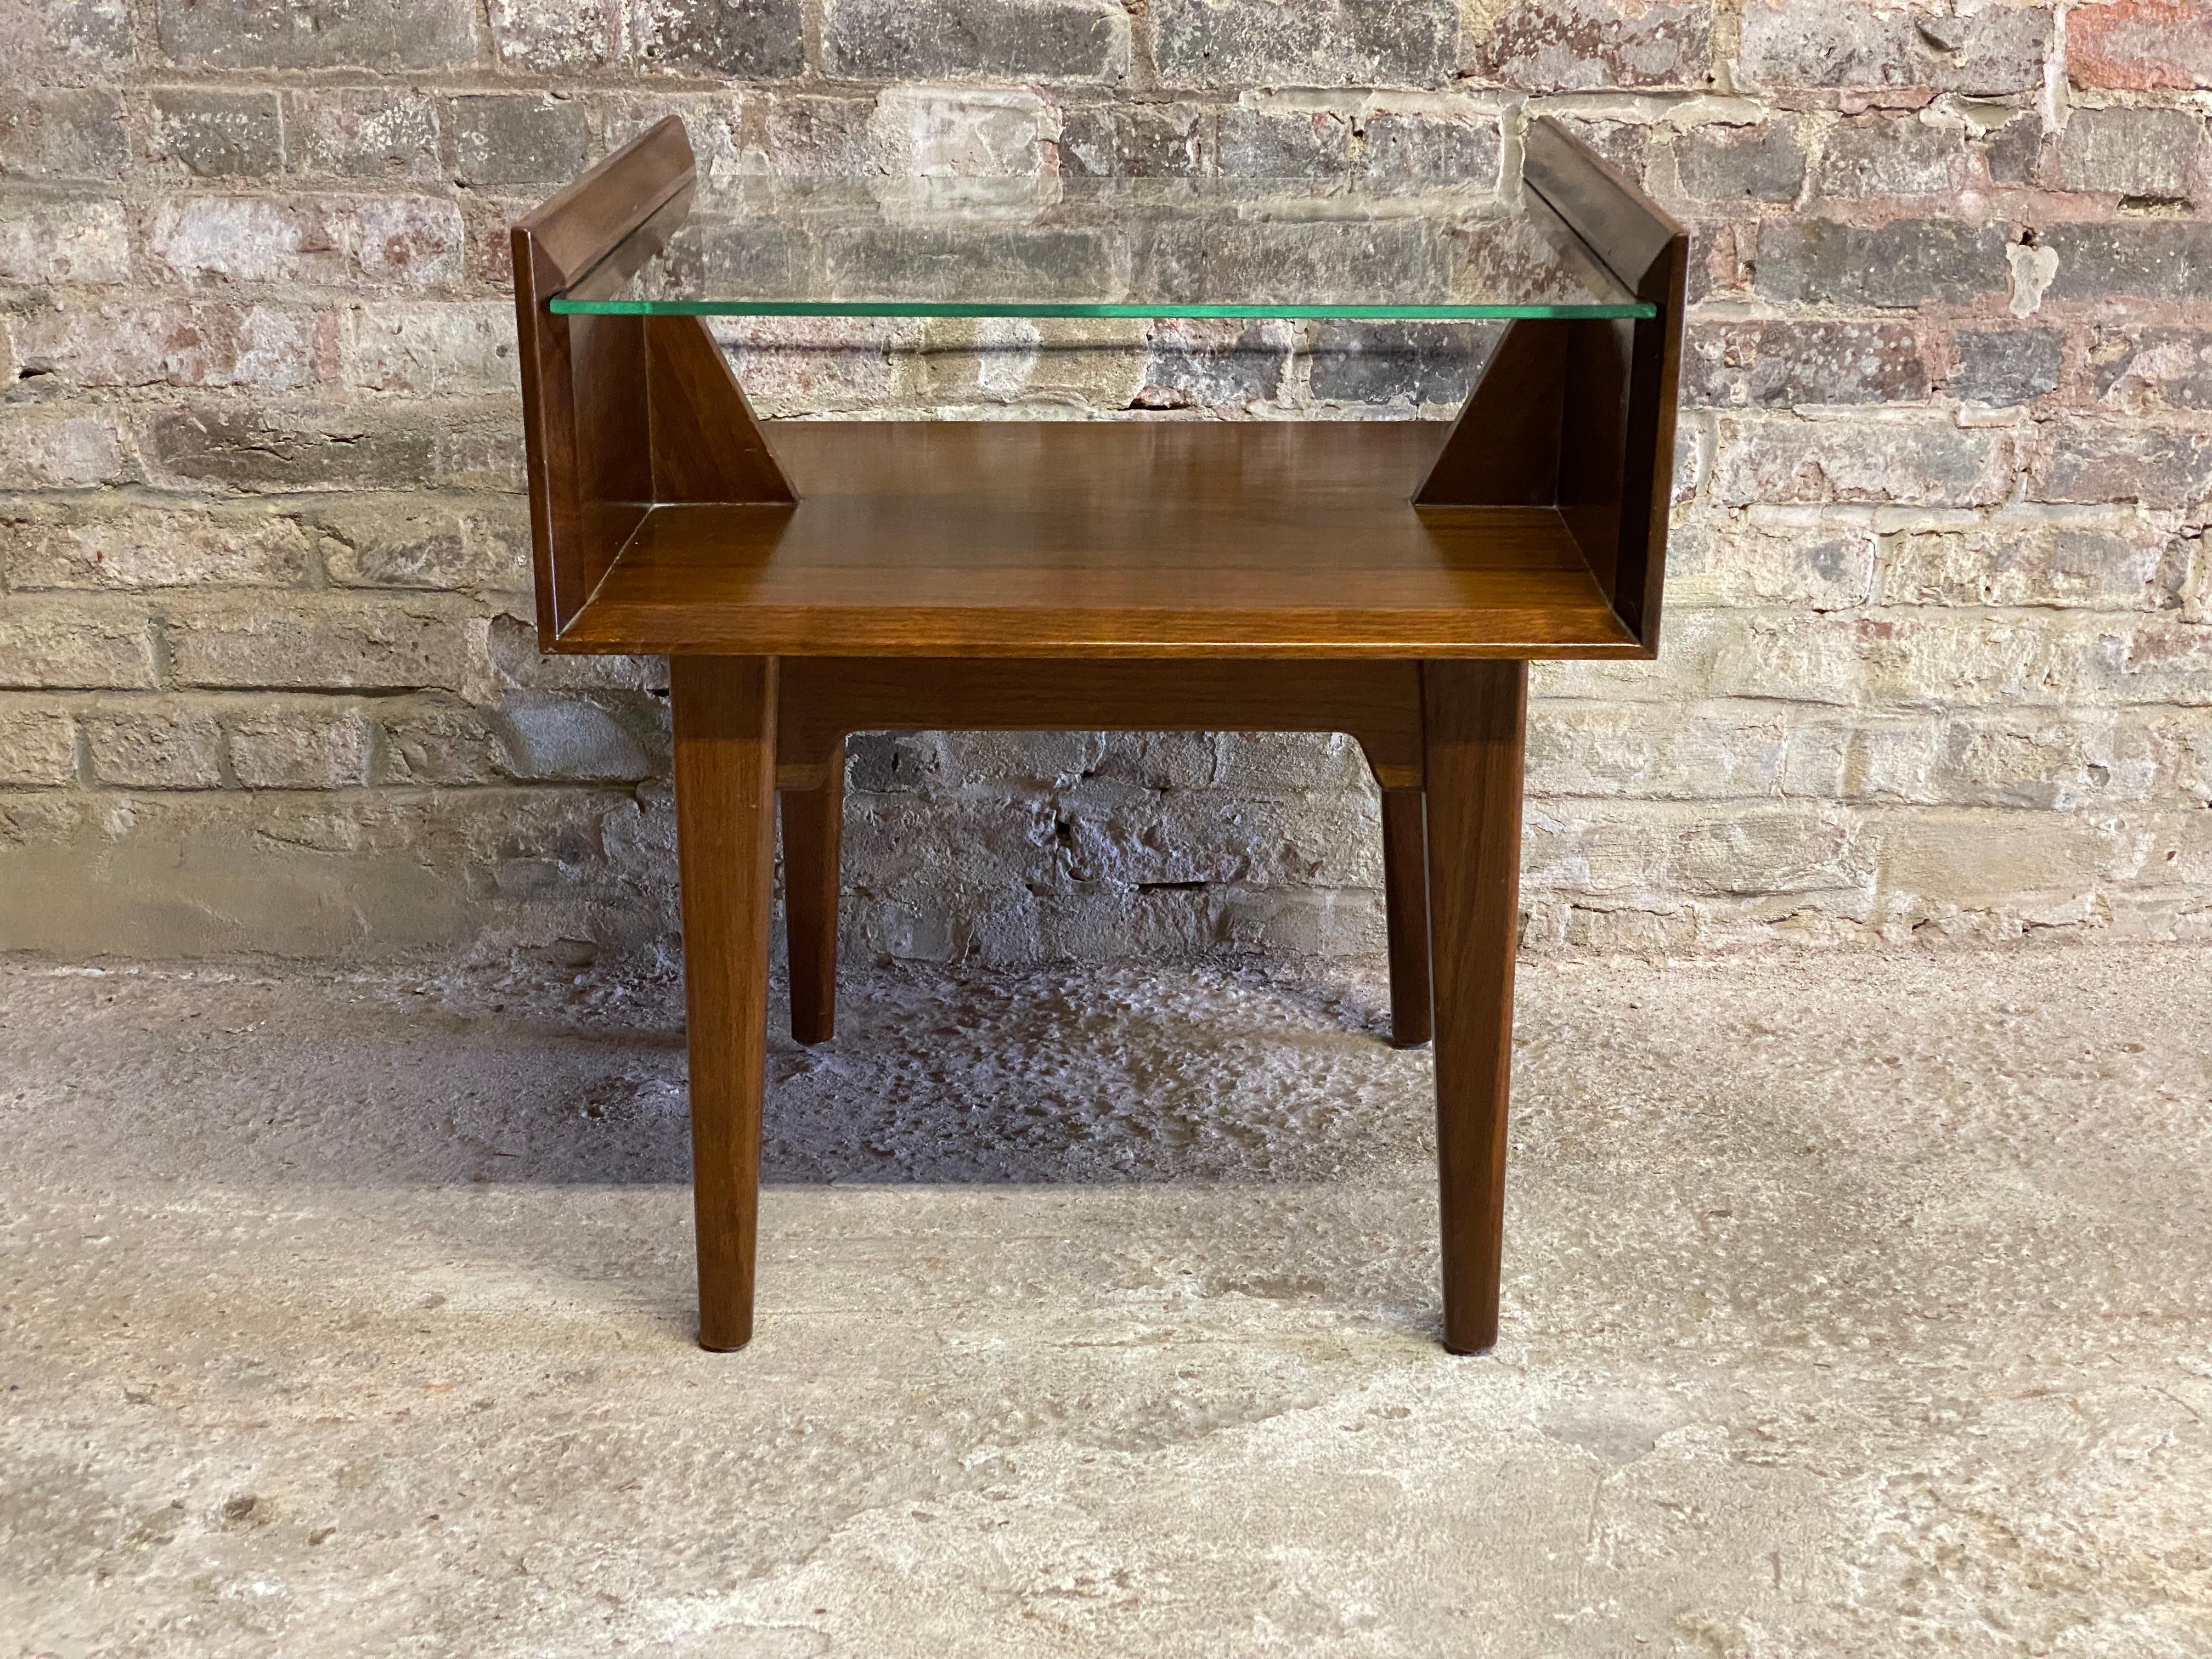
1094, 539
668, 519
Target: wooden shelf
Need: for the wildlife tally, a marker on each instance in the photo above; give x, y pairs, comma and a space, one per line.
1100, 539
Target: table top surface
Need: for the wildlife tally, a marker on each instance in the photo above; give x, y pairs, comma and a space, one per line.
1352, 248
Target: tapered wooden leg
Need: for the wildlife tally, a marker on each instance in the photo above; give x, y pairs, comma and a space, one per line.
1405, 908
1475, 714
725, 710
813, 825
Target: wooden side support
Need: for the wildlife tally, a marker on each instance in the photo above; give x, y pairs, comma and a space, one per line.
619, 413
1503, 450
707, 444
1579, 413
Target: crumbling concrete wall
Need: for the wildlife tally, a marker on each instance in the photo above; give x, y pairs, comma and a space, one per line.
1939, 652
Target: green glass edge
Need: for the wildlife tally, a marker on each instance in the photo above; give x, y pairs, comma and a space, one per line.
565, 307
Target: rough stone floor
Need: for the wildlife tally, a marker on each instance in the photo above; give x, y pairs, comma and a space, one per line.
1856, 1306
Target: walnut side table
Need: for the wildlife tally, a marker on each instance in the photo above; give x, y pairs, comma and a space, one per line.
1389, 579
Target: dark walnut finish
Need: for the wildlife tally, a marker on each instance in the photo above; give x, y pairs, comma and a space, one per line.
725, 709
1388, 580
1105, 538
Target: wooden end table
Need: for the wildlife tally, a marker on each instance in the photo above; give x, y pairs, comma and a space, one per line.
1390, 580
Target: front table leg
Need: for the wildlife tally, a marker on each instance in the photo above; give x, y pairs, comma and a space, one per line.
1475, 714
724, 717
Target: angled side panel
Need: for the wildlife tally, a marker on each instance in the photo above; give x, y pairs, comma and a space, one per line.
549, 427
1504, 449
707, 445
1626, 229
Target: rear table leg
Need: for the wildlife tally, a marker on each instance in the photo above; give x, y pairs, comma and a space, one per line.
725, 710
1475, 717
1405, 908
813, 825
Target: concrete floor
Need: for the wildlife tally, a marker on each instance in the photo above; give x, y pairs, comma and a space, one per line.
1855, 1306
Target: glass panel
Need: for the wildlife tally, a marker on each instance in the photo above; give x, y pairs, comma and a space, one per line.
1102, 247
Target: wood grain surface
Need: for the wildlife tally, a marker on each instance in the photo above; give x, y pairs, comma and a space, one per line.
1102, 539
725, 720
584, 379
707, 444
1378, 703
813, 838
1476, 714
1406, 913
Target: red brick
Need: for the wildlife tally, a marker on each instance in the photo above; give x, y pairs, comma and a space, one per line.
432, 347
1780, 363
551, 36
245, 239
174, 343
2141, 44
64, 240
62, 133
73, 548
1559, 45
1828, 44
47, 43
2094, 460
377, 132
439, 744
1922, 463
407, 241
61, 450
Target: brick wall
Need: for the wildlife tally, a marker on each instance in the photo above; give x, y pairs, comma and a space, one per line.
1939, 652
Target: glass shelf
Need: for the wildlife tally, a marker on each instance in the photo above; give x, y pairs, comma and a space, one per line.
1102, 248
